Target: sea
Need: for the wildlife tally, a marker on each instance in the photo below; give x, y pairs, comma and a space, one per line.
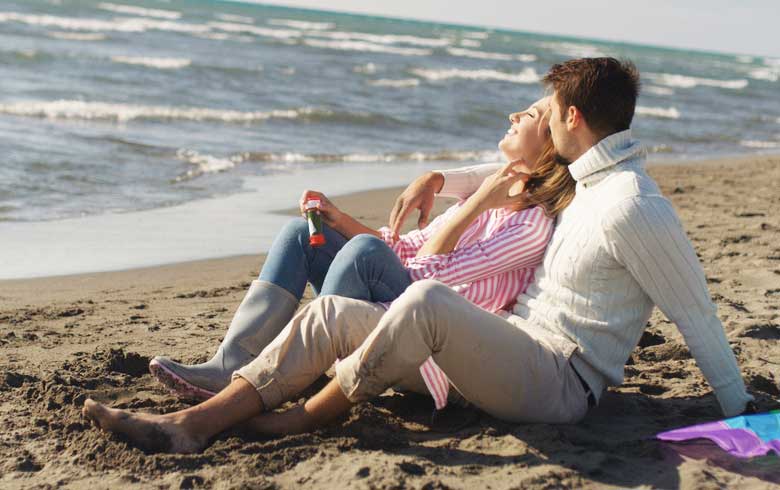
147, 132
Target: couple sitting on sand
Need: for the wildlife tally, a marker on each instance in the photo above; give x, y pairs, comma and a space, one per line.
487, 303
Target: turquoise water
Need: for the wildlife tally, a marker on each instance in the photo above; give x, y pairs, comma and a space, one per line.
108, 107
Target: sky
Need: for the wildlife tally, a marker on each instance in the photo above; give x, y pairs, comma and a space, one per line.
727, 26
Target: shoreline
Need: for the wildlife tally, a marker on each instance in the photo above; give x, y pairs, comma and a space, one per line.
185, 242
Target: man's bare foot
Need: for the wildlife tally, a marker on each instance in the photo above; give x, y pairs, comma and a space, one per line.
153, 433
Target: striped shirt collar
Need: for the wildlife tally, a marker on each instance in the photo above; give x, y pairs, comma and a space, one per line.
607, 153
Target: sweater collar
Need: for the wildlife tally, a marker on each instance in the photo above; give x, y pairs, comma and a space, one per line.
608, 152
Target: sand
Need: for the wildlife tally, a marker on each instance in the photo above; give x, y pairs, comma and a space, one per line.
65, 338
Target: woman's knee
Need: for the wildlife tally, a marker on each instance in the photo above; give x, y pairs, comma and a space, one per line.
364, 246
295, 229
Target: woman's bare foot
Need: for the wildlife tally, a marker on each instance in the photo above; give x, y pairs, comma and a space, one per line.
153, 433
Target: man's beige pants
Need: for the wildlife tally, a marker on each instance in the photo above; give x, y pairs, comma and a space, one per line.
513, 372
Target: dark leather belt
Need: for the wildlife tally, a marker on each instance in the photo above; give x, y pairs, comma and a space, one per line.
588, 391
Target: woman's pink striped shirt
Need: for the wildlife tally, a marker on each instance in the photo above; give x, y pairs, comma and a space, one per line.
493, 261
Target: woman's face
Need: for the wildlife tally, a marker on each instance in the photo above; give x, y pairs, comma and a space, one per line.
527, 135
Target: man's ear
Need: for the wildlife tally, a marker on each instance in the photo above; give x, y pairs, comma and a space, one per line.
573, 118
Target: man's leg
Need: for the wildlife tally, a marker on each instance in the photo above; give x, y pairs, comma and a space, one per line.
494, 364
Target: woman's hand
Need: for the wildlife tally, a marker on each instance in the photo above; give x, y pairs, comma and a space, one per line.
503, 189
331, 215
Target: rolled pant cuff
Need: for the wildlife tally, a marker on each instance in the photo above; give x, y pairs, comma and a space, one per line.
349, 380
267, 386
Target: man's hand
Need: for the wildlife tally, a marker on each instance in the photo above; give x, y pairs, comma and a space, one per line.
331, 215
418, 195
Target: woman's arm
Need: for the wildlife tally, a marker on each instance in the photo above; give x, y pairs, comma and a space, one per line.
492, 193
335, 218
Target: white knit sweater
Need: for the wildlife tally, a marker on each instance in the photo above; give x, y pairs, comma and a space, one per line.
618, 250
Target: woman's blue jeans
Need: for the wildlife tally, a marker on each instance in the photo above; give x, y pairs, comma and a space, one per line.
364, 267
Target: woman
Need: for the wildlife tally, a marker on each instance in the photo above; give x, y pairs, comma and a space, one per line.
488, 257
483, 250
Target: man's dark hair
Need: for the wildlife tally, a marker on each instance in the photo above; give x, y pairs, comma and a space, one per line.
603, 89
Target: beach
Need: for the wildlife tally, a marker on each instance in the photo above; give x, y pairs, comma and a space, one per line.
66, 338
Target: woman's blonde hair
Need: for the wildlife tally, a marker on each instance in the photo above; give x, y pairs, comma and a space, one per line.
551, 186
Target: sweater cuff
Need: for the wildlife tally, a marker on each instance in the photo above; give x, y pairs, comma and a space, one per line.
733, 398
464, 181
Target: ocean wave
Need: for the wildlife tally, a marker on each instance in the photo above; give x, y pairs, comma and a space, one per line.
772, 62
769, 74
760, 144
81, 110
367, 69
207, 164
366, 47
655, 89
302, 25
662, 112
745, 59
235, 18
684, 81
485, 55
202, 164
528, 75
77, 36
476, 35
395, 83
140, 11
159, 63
258, 31
426, 42
574, 50
470, 43
129, 24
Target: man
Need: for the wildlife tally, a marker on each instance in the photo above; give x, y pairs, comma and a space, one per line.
618, 250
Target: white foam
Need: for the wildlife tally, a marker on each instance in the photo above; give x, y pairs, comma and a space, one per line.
368, 69
81, 110
745, 59
77, 36
140, 11
384, 39
760, 144
159, 63
395, 83
684, 81
258, 31
485, 55
662, 112
470, 43
366, 47
575, 50
476, 35
203, 164
235, 18
769, 74
655, 89
528, 75
305, 26
772, 62
123, 24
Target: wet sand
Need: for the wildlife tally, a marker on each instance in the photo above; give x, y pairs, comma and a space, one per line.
65, 338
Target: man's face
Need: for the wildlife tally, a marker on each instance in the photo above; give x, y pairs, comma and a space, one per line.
561, 137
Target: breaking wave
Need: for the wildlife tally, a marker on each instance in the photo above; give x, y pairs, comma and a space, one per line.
366, 47
140, 11
159, 63
760, 144
662, 112
485, 55
684, 81
302, 25
397, 83
528, 75
77, 36
81, 110
208, 164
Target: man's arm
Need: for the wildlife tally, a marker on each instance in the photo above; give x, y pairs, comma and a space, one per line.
646, 236
459, 182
